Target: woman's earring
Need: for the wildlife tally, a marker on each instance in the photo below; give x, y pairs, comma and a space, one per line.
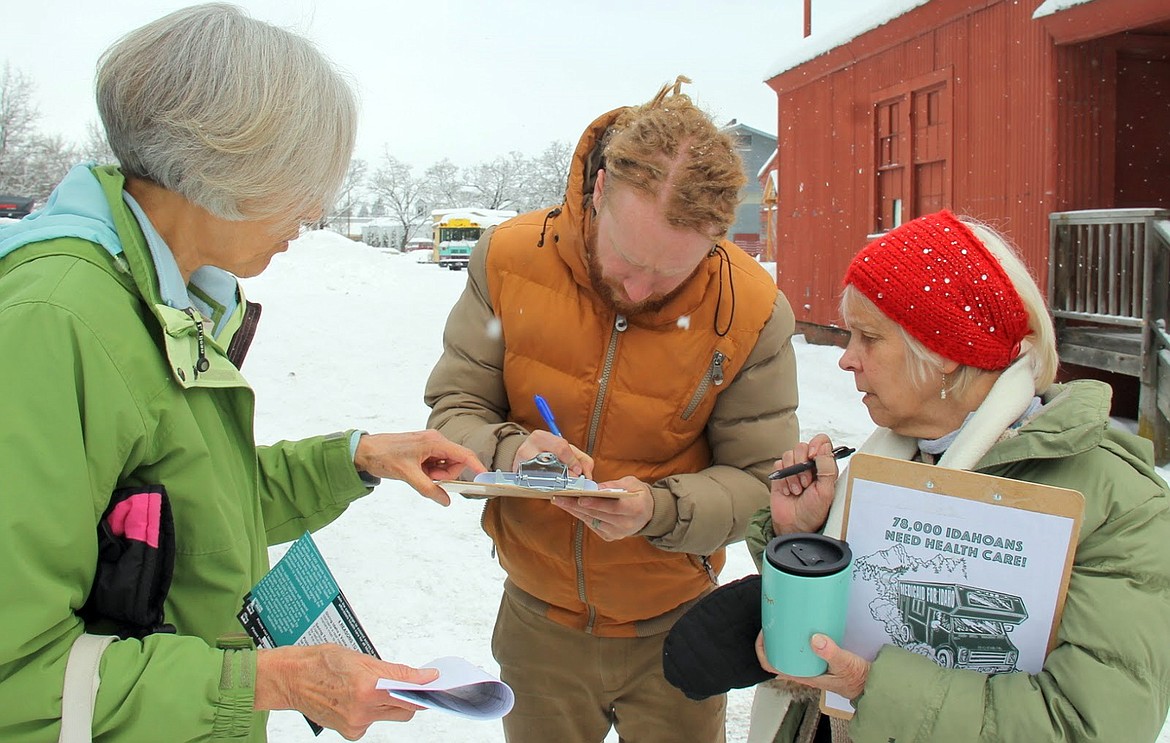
943, 393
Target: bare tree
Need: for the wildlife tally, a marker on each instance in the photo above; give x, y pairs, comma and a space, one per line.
43, 162
547, 176
446, 187
31, 164
349, 195
96, 147
500, 184
18, 113
508, 182
17, 110
395, 186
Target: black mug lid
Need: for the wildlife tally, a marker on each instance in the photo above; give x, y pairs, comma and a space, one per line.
810, 555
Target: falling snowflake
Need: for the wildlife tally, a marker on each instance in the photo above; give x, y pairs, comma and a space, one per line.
494, 330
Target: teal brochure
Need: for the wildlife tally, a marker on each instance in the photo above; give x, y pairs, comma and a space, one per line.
299, 603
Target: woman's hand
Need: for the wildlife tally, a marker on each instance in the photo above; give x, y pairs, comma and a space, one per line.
334, 686
578, 462
417, 458
847, 672
800, 503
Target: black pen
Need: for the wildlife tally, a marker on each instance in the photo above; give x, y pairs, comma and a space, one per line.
839, 453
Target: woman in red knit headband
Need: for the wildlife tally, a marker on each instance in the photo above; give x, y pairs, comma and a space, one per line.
951, 344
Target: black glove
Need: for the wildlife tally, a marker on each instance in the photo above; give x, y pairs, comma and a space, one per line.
712, 648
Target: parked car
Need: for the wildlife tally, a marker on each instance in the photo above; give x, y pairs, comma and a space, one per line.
15, 207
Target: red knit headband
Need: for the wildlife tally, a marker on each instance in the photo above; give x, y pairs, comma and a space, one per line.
937, 280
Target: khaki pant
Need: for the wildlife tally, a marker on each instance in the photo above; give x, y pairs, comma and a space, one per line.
571, 687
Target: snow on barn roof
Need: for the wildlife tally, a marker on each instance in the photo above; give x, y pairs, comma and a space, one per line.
830, 38
1050, 7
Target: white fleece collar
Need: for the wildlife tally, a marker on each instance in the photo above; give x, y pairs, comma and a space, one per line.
1007, 400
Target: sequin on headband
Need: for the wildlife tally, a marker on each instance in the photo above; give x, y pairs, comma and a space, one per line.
937, 280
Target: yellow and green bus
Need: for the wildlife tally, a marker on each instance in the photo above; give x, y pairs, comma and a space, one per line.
457, 230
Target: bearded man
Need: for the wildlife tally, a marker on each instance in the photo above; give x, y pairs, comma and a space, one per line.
665, 352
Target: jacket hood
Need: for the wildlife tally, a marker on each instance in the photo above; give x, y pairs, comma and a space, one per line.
587, 160
80, 207
1074, 419
575, 220
76, 208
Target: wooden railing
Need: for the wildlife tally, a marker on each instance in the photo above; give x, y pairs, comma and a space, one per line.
1108, 286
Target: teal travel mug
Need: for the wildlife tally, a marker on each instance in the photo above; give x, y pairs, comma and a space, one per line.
806, 589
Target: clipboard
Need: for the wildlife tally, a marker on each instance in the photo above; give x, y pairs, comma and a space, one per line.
968, 569
491, 490
544, 476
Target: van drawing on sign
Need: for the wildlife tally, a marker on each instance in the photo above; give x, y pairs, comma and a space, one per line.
946, 619
964, 626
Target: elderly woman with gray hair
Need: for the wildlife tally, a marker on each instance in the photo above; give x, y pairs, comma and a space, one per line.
951, 344
136, 502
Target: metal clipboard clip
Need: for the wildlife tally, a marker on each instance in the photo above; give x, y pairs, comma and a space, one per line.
542, 472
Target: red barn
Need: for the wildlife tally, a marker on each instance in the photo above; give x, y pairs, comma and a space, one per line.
1015, 112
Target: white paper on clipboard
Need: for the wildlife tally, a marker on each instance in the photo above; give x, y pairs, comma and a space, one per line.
967, 569
491, 490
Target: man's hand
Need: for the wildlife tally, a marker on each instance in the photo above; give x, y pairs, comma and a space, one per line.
847, 672
613, 518
417, 458
801, 503
334, 686
577, 461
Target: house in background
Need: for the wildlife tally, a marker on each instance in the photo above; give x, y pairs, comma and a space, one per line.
755, 147
384, 232
1048, 120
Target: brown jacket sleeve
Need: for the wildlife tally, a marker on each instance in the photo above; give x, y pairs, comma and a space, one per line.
466, 388
753, 422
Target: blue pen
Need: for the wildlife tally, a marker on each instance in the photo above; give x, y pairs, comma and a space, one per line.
546, 413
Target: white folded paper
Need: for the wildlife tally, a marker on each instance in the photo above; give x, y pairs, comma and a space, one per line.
462, 689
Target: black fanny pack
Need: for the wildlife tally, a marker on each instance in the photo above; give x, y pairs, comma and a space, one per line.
136, 561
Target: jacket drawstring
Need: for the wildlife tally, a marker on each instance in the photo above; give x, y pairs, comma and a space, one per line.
201, 363
723, 258
554, 213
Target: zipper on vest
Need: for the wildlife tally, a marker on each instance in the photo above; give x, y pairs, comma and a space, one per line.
706, 560
714, 377
579, 563
619, 326
703, 562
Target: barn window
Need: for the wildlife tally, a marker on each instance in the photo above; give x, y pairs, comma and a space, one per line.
912, 146
891, 164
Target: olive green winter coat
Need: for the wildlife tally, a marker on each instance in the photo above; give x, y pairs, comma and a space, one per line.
1108, 678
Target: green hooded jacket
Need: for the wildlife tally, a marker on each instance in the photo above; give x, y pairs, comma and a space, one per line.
99, 390
1108, 677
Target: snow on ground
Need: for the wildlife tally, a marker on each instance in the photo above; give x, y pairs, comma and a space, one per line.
347, 339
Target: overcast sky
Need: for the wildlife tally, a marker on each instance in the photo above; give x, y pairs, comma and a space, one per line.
466, 79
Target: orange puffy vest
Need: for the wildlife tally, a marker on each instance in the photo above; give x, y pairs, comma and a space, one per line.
635, 395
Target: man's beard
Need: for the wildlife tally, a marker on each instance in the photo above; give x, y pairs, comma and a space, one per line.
613, 296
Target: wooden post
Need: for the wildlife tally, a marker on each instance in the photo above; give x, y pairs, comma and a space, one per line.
1152, 424
1154, 394
807, 18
